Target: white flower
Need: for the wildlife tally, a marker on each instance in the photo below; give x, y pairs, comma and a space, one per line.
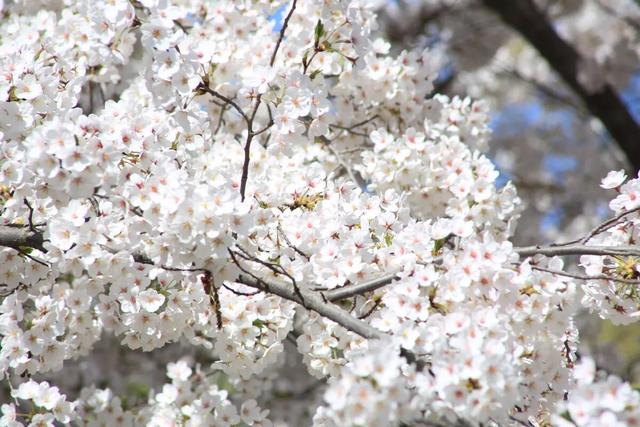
251, 413
168, 63
40, 420
258, 77
150, 300
129, 302
381, 139
9, 418
47, 397
27, 390
168, 396
297, 102
28, 88
179, 371
613, 179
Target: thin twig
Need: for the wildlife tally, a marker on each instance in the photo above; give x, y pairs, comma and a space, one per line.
352, 150
603, 226
546, 90
6, 293
242, 268
583, 277
31, 226
376, 304
352, 127
250, 132
295, 248
247, 151
143, 259
285, 24
352, 132
275, 268
237, 292
264, 129
607, 224
356, 179
227, 100
31, 257
220, 119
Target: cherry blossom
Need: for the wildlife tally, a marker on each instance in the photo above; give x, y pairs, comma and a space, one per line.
250, 195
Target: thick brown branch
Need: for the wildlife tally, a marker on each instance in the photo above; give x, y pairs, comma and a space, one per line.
578, 249
17, 237
327, 310
399, 30
315, 303
604, 103
358, 288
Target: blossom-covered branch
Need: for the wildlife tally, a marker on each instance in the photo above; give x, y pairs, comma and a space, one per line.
402, 293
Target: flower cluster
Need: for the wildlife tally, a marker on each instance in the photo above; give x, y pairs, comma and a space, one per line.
191, 398
47, 58
366, 387
194, 399
598, 399
50, 405
442, 176
616, 299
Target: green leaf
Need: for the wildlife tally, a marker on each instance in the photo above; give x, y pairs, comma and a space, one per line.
315, 74
138, 391
337, 353
223, 383
318, 32
439, 244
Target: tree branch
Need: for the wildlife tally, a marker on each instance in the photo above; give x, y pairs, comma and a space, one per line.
17, 237
400, 30
578, 249
604, 103
228, 101
285, 24
349, 291
584, 277
313, 302
250, 132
